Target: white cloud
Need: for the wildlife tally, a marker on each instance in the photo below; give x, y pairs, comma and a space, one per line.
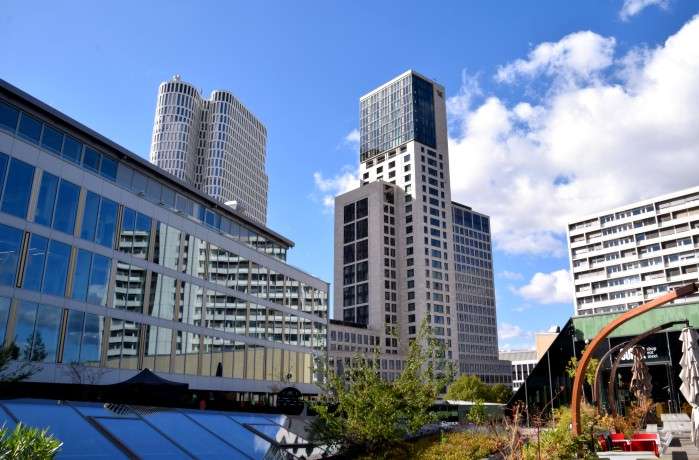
508, 275
352, 137
546, 288
580, 55
329, 188
595, 143
507, 331
633, 7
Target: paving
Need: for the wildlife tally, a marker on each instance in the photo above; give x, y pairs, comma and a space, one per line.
681, 448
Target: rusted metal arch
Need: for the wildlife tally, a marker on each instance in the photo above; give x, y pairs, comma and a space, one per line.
608, 329
596, 390
611, 394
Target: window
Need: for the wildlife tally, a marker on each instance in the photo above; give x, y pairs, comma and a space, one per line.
348, 296
52, 139
66, 207
91, 159
29, 128
362, 271
8, 117
10, 243
18, 188
90, 213
362, 250
108, 168
348, 274
362, 293
36, 332
349, 212
46, 199
362, 229
99, 278
349, 233
4, 316
36, 260
363, 315
348, 253
72, 149
57, 261
362, 208
99, 220
135, 233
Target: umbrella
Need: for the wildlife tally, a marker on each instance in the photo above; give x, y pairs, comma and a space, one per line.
690, 374
640, 377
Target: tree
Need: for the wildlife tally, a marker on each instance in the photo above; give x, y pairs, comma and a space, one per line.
589, 372
469, 388
359, 411
26, 443
500, 393
477, 414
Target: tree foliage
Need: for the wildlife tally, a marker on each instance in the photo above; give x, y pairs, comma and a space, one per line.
26, 443
471, 388
589, 372
360, 411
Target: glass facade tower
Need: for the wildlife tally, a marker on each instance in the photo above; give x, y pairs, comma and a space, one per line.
109, 265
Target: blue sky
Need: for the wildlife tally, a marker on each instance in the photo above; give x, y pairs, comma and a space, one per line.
556, 108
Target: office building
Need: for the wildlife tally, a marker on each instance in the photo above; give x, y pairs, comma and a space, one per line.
110, 265
625, 256
215, 145
395, 246
523, 361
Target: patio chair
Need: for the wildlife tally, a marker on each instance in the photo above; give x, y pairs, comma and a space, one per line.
602, 443
619, 441
645, 445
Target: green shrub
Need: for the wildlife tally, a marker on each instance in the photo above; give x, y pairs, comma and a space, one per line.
26, 443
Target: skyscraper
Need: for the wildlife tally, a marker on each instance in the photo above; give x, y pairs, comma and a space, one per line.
215, 145
394, 235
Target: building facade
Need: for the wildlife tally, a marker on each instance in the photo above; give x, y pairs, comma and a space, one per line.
395, 234
110, 265
215, 145
622, 257
523, 361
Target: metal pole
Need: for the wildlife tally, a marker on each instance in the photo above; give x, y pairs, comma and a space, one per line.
548, 359
526, 402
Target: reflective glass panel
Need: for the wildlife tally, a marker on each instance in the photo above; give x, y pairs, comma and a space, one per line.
10, 241
36, 259
46, 334
91, 159
108, 168
46, 200
24, 330
29, 128
4, 315
8, 117
141, 438
80, 439
90, 350
124, 175
66, 207
106, 223
18, 188
99, 277
92, 208
123, 344
200, 442
129, 287
52, 139
72, 149
73, 336
81, 275
57, 263
234, 433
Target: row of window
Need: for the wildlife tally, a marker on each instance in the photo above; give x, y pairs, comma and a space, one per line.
55, 141
38, 331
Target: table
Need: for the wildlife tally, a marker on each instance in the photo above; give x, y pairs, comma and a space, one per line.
638, 455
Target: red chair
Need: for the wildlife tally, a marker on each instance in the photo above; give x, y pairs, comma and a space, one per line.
645, 445
619, 441
602, 441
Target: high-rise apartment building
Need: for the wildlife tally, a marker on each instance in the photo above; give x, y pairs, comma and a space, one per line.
110, 265
215, 145
395, 237
625, 256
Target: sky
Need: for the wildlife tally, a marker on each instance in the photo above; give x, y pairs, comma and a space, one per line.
556, 109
